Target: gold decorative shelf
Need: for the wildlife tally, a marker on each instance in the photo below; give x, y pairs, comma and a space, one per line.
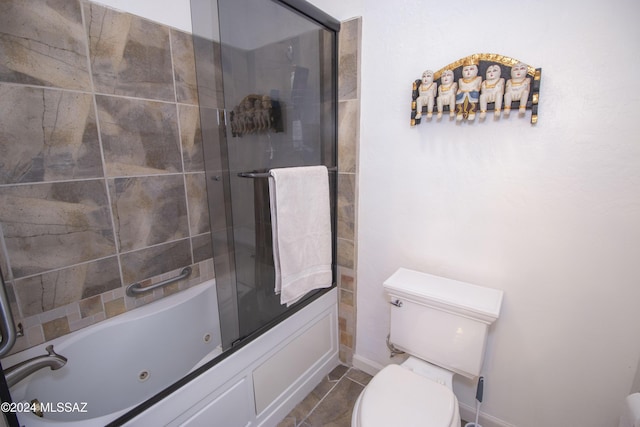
475, 85
256, 114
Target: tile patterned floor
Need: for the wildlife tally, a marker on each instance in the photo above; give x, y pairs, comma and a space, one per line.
331, 402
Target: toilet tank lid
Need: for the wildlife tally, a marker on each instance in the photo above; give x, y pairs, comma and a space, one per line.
447, 292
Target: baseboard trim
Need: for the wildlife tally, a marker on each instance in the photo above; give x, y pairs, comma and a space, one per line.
366, 365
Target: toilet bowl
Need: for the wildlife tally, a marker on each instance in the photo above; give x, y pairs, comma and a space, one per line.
399, 396
442, 325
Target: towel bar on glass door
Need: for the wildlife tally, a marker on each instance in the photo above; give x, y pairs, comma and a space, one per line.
266, 174
135, 289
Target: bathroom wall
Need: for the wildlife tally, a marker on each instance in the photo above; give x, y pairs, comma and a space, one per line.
101, 168
549, 213
173, 15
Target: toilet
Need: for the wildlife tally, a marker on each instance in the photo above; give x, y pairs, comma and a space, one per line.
442, 325
631, 413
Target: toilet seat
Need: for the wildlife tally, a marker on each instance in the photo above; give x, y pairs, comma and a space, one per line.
396, 396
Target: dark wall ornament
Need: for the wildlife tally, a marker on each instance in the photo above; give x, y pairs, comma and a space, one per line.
475, 85
256, 114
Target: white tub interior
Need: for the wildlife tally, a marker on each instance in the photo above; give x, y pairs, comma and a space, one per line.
119, 363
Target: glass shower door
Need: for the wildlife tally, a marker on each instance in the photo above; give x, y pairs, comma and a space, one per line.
279, 86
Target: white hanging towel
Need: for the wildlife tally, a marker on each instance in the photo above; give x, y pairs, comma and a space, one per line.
301, 229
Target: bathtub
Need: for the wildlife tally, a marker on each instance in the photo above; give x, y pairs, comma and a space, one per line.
119, 363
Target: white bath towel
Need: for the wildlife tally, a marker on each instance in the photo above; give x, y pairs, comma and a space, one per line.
301, 228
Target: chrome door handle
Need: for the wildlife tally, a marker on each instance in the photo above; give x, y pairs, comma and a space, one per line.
397, 303
7, 327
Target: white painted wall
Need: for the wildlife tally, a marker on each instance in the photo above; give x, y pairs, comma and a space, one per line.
548, 213
175, 13
340, 9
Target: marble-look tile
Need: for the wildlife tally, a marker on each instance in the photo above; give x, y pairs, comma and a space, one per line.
346, 339
114, 307
91, 306
346, 206
55, 328
202, 247
346, 253
47, 135
129, 55
348, 124
337, 373
347, 282
4, 267
212, 137
191, 138
171, 289
336, 408
138, 137
43, 43
209, 72
358, 376
49, 226
346, 323
289, 421
197, 199
47, 291
345, 355
348, 59
324, 390
32, 336
148, 210
346, 297
207, 270
150, 262
302, 410
184, 66
11, 297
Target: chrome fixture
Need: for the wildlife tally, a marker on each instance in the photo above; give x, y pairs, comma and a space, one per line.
18, 372
136, 289
393, 350
267, 174
7, 327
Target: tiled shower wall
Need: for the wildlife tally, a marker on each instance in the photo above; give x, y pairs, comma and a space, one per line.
101, 170
348, 141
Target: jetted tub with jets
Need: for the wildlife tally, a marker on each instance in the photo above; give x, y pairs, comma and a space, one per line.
121, 362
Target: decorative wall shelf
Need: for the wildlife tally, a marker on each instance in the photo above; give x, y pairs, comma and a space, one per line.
256, 114
475, 85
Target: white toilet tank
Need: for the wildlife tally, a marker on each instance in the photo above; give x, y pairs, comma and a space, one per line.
440, 320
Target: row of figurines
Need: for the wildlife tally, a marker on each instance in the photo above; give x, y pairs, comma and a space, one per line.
254, 114
463, 97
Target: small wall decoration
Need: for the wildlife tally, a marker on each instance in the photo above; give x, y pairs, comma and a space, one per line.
475, 85
256, 114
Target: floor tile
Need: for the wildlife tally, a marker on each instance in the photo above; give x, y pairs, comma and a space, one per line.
336, 408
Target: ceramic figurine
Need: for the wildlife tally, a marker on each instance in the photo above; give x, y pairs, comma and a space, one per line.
264, 118
517, 89
492, 90
468, 91
235, 118
447, 93
427, 94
